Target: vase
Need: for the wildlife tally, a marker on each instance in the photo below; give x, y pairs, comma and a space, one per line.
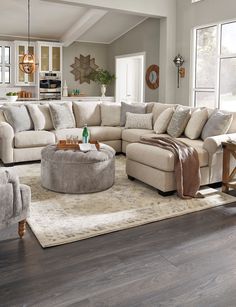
103, 90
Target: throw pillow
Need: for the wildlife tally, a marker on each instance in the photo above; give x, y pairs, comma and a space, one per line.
37, 116
87, 113
138, 121
196, 123
62, 115
158, 108
163, 120
110, 114
18, 117
47, 116
138, 108
178, 122
217, 124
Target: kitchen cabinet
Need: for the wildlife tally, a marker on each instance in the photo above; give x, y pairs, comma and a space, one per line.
50, 57
21, 78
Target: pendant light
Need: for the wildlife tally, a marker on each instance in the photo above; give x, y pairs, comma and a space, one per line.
27, 65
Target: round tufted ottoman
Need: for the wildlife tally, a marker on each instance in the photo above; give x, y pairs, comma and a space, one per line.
69, 171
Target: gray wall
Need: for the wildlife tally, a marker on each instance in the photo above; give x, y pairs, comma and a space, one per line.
144, 37
97, 51
192, 15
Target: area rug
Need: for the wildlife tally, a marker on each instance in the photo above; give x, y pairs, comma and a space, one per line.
57, 218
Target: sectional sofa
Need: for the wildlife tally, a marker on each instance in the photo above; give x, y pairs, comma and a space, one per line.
152, 165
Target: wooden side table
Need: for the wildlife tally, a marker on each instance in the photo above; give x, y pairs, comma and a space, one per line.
228, 176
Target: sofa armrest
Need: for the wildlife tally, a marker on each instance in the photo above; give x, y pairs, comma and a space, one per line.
6, 142
214, 143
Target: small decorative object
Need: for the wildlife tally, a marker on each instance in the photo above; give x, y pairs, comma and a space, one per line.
85, 134
11, 96
27, 65
65, 90
83, 67
102, 77
179, 61
152, 77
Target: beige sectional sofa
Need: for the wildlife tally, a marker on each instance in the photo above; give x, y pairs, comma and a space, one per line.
150, 164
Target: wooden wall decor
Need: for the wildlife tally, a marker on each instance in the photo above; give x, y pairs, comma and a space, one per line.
152, 77
83, 67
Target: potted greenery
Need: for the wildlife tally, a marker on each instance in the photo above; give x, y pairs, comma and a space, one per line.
11, 96
102, 77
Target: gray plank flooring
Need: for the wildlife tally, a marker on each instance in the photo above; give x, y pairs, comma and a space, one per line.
185, 261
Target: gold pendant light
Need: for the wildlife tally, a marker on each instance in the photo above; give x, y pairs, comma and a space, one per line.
28, 65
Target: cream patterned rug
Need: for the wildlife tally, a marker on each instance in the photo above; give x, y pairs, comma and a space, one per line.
62, 218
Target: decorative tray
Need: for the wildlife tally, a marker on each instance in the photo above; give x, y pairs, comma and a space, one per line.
63, 145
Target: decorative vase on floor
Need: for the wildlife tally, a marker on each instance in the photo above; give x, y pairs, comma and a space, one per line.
103, 90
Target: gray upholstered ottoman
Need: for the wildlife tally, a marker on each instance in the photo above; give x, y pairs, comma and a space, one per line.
69, 171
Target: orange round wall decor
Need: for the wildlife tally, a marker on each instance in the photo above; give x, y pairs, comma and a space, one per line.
152, 77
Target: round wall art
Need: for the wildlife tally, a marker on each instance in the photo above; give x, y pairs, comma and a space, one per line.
152, 77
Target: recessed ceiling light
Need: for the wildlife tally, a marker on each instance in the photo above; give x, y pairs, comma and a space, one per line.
193, 1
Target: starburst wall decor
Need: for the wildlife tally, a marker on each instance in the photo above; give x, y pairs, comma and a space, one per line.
83, 67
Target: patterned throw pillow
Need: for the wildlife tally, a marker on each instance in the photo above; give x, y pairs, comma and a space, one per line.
62, 115
217, 124
138, 108
178, 122
138, 121
18, 117
163, 120
196, 123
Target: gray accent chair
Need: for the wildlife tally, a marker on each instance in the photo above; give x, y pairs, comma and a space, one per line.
14, 200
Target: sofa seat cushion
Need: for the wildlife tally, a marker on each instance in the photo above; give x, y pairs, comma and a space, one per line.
160, 158
133, 135
63, 133
27, 139
102, 133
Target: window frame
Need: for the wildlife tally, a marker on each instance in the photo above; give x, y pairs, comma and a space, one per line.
220, 57
6, 44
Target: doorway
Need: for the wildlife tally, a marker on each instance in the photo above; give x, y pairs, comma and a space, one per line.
130, 77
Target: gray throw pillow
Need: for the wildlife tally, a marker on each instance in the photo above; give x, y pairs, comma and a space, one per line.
18, 117
139, 108
217, 124
138, 121
178, 122
62, 115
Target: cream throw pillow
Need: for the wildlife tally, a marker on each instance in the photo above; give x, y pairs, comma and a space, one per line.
196, 123
138, 121
163, 120
178, 122
159, 107
41, 116
110, 114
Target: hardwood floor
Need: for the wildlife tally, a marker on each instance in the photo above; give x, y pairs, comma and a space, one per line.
185, 261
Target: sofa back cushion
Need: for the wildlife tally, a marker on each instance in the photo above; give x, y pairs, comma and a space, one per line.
217, 124
110, 114
18, 117
158, 108
62, 115
138, 121
138, 108
178, 122
87, 112
232, 128
196, 123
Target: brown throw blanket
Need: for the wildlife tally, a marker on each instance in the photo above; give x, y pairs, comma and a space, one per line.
187, 169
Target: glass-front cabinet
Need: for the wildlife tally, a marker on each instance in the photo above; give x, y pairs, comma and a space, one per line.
20, 77
50, 57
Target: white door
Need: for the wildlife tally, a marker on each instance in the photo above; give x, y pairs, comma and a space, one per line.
130, 78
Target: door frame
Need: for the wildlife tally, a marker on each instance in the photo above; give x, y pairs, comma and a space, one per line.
129, 55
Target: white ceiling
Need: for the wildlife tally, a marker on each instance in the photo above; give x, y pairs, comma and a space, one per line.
64, 22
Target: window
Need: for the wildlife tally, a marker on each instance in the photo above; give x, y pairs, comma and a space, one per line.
5, 63
214, 83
